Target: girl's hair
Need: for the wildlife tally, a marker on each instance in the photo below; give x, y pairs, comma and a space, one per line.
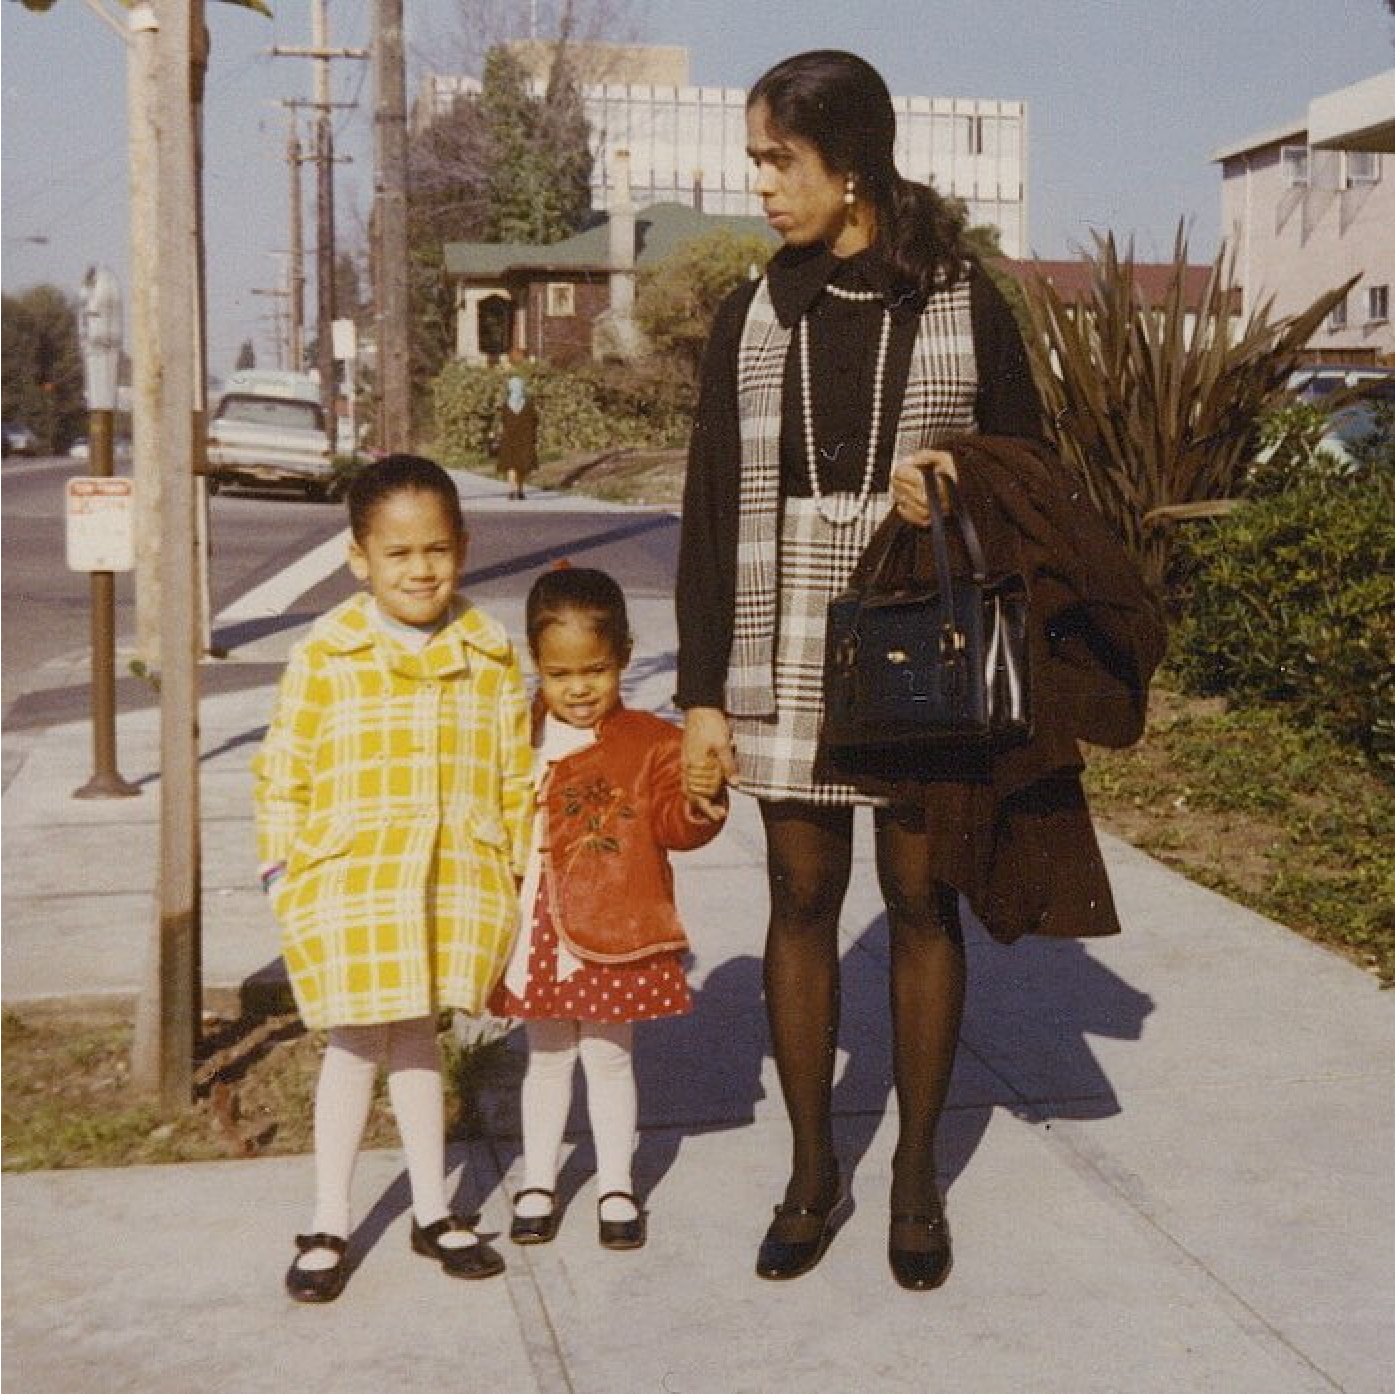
838, 103
395, 474
594, 595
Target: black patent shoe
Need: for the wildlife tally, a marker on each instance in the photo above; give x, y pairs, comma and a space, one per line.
475, 1260
796, 1240
318, 1284
534, 1229
622, 1234
917, 1248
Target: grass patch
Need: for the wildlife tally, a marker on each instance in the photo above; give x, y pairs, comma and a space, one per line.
1274, 814
68, 1100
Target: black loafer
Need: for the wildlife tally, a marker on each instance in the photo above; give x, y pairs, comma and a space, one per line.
534, 1229
784, 1255
922, 1258
318, 1284
622, 1234
475, 1260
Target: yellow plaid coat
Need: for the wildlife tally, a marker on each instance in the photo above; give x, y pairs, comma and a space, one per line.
396, 788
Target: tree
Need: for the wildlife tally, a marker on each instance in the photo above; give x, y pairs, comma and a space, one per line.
532, 160
348, 293
42, 367
246, 357
678, 296
503, 166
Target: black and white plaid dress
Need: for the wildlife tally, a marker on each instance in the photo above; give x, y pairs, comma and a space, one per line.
791, 560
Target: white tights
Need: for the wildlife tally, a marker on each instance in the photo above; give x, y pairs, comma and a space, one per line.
409, 1053
604, 1049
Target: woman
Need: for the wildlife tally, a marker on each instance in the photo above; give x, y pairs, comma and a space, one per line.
518, 437
826, 388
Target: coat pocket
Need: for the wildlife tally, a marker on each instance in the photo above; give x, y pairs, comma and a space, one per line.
320, 841
487, 828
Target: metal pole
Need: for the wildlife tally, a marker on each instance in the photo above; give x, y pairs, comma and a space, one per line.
106, 781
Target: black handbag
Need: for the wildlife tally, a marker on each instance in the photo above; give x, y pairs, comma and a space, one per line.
922, 680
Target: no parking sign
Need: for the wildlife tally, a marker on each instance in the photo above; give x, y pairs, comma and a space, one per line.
101, 532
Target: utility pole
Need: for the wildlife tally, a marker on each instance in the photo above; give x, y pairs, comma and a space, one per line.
142, 118
281, 332
295, 271
167, 1016
322, 54
390, 262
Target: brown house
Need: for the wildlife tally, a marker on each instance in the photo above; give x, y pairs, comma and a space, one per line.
571, 302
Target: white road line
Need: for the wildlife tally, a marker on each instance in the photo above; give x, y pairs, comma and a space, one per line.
276, 594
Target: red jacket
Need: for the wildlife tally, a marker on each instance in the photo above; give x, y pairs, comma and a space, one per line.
613, 813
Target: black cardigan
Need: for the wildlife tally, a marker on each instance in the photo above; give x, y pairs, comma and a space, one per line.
1007, 405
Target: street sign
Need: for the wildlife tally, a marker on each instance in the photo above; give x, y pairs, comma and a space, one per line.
101, 535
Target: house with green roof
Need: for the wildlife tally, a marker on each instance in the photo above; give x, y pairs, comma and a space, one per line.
571, 302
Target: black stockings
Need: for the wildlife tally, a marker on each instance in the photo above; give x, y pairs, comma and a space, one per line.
810, 860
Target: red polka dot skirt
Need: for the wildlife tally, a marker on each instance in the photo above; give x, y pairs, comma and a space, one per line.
640, 991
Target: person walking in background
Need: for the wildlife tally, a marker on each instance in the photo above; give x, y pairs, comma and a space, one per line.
392, 802
601, 946
871, 338
518, 436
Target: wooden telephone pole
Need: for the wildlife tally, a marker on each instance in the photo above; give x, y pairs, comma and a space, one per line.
167, 1016
390, 260
323, 54
295, 272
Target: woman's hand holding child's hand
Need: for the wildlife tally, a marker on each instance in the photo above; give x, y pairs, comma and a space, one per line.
709, 764
705, 785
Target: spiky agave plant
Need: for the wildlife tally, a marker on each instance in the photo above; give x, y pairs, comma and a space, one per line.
1157, 403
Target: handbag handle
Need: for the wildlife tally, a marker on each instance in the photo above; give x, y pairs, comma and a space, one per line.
894, 534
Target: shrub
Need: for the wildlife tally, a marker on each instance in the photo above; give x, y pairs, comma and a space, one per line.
1292, 599
678, 296
593, 408
1156, 403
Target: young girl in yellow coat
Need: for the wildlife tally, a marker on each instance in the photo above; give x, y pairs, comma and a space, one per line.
393, 805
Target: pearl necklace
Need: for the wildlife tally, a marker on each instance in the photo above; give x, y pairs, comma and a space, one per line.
842, 515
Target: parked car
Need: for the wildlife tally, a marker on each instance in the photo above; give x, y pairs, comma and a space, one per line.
19, 439
268, 430
1368, 421
81, 450
1322, 379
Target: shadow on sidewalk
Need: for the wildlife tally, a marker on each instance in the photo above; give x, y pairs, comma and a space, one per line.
1024, 1047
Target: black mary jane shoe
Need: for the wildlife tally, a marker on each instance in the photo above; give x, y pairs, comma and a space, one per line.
318, 1284
534, 1229
782, 1257
475, 1260
925, 1265
621, 1234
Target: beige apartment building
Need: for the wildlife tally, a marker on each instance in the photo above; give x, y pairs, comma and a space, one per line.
687, 144
1312, 203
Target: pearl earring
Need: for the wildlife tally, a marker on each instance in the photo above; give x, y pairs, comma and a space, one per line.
849, 191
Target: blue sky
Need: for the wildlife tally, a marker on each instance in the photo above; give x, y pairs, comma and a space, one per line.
1127, 100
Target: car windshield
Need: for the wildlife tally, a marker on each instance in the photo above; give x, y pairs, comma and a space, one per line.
284, 413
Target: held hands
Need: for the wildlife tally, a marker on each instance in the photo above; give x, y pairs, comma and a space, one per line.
709, 763
910, 480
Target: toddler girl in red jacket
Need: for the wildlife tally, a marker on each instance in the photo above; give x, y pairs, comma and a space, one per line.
600, 945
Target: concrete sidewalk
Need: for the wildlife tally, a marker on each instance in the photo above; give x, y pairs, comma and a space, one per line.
1168, 1155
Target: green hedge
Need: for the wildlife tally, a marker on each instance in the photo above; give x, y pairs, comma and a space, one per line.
596, 408
1292, 599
